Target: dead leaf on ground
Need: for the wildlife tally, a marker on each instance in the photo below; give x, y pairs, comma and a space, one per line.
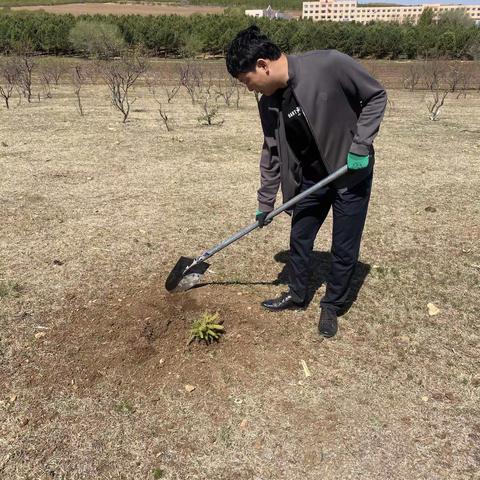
432, 309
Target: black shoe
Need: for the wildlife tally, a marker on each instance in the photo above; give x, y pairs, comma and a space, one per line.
284, 302
328, 325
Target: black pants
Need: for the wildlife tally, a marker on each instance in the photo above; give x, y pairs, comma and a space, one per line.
349, 213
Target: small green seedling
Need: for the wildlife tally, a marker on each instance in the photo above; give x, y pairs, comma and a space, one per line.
124, 406
158, 473
9, 289
207, 328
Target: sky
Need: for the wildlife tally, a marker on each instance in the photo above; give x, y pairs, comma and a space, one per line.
420, 2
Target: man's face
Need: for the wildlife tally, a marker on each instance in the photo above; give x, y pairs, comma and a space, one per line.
260, 80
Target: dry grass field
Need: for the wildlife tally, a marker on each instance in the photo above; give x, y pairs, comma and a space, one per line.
94, 361
112, 8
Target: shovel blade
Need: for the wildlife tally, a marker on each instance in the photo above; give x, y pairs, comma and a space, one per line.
180, 280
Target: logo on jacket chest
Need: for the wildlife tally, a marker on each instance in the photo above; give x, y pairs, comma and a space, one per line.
296, 112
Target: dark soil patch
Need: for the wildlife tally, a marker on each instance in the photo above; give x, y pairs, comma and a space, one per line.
135, 339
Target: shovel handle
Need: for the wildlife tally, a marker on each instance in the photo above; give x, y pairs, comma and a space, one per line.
274, 213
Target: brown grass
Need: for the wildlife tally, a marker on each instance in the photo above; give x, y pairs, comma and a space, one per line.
124, 9
93, 351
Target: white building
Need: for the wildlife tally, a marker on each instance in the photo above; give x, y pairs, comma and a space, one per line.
267, 13
349, 11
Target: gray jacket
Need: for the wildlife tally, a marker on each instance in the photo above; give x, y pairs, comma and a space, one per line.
343, 106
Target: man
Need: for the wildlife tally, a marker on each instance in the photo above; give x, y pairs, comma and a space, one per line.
319, 111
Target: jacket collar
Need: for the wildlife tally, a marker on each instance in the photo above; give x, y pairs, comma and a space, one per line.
292, 69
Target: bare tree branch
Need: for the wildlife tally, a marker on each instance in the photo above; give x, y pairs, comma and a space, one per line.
25, 67
209, 112
226, 88
78, 79
8, 78
191, 77
435, 80
152, 87
411, 77
120, 76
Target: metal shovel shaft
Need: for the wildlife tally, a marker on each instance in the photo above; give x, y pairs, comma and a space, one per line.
209, 253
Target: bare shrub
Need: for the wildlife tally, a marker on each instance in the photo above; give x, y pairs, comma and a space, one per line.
156, 80
241, 89
79, 76
8, 79
209, 112
466, 81
436, 102
433, 74
390, 110
459, 77
454, 76
51, 70
152, 83
56, 69
171, 92
164, 82
438, 99
120, 76
210, 82
411, 77
226, 89
435, 79
25, 65
45, 82
165, 118
46, 87
191, 77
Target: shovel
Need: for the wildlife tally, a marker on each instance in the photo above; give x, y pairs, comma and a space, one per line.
188, 271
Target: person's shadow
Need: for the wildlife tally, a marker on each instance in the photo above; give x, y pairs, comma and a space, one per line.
320, 267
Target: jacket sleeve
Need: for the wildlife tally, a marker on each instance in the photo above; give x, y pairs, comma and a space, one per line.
361, 87
269, 160
269, 175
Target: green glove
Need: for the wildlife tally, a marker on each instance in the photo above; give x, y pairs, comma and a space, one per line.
357, 162
260, 218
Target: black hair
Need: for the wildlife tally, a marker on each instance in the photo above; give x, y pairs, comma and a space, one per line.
246, 48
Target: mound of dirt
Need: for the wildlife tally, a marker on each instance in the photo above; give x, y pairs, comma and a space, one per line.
143, 338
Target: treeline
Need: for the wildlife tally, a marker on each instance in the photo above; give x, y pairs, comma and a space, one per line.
178, 36
242, 4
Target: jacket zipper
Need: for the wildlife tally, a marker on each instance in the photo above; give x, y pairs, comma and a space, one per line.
311, 131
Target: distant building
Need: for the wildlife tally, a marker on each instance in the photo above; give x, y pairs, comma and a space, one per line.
349, 11
269, 12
